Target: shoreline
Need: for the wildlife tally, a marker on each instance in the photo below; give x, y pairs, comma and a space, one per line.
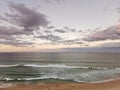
109, 85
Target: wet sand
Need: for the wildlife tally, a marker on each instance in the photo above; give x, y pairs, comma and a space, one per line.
111, 85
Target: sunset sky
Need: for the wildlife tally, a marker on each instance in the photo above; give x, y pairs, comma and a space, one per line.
36, 25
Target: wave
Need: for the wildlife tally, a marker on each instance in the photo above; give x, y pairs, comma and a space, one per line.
11, 65
51, 66
55, 66
31, 72
90, 76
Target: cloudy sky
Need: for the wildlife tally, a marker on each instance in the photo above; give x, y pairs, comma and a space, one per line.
36, 25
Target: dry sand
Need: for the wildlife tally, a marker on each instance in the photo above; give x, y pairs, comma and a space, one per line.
111, 85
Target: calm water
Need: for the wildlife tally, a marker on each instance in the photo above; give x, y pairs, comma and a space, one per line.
77, 67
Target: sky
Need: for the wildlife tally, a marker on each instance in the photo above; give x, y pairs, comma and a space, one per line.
38, 25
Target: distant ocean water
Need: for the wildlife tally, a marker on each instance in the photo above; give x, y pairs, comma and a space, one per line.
75, 67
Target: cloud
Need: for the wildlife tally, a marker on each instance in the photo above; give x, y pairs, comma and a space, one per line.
14, 41
17, 43
10, 30
118, 9
65, 30
20, 20
50, 27
50, 37
25, 17
47, 31
6, 37
49, 1
115, 44
69, 29
71, 41
60, 30
3, 18
111, 33
9, 35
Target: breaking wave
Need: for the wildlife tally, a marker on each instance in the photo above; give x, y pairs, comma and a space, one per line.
60, 72
54, 66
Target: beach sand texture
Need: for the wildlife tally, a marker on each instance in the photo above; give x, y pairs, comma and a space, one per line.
111, 85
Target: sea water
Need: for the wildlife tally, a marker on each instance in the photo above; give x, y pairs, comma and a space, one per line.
58, 66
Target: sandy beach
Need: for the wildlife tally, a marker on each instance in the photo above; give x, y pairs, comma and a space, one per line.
111, 85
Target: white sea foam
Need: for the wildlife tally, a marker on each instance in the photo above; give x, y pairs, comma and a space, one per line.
57, 71
90, 76
51, 65
61, 66
9, 65
55, 66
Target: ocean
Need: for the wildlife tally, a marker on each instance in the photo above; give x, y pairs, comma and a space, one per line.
29, 67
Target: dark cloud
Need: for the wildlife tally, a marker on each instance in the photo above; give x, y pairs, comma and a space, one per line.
115, 44
17, 43
7, 37
49, 1
50, 37
111, 33
13, 41
3, 18
72, 30
69, 29
22, 20
10, 34
60, 30
80, 31
65, 30
25, 17
71, 41
47, 31
9, 30
21, 43
79, 42
50, 27
118, 9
